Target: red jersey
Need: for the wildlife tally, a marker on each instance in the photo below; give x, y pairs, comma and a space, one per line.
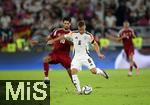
61, 46
127, 41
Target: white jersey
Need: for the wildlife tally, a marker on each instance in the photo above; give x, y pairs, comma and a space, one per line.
81, 56
80, 42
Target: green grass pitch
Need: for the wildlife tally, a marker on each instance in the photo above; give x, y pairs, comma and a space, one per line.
118, 90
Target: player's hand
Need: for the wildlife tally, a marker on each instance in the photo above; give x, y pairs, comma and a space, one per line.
50, 42
33, 42
108, 36
101, 56
124, 36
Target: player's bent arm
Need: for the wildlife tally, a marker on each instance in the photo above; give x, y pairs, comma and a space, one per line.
119, 39
48, 37
33, 42
39, 41
60, 37
97, 49
55, 39
113, 38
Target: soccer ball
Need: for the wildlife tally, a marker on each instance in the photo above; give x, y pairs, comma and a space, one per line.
86, 90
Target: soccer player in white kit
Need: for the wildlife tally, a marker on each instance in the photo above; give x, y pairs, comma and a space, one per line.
80, 40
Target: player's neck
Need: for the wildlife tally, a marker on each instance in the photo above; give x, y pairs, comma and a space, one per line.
66, 29
82, 32
126, 28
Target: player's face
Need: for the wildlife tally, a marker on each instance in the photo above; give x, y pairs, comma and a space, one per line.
66, 24
81, 29
126, 24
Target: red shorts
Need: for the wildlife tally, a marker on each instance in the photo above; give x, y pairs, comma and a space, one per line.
129, 51
63, 59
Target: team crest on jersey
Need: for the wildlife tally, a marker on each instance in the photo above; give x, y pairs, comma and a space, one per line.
76, 37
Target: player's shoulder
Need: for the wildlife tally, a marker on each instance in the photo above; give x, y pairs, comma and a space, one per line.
131, 29
75, 31
121, 30
128, 29
88, 33
59, 29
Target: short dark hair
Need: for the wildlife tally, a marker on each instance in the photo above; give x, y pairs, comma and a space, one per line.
81, 23
67, 19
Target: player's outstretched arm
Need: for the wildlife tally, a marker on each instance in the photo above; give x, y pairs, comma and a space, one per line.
60, 37
115, 38
97, 49
33, 42
56, 39
39, 41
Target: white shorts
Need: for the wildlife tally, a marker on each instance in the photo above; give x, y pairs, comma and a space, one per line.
78, 62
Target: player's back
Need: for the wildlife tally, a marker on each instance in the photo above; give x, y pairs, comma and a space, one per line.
61, 46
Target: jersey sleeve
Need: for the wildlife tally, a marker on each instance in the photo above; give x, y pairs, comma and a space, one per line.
119, 34
90, 38
69, 35
53, 34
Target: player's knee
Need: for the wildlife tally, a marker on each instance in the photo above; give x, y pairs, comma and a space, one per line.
74, 71
131, 62
130, 59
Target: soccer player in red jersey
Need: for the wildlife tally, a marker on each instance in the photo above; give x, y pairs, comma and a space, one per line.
61, 50
126, 35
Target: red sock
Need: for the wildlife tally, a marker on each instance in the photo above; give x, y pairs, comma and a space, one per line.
46, 69
131, 68
134, 64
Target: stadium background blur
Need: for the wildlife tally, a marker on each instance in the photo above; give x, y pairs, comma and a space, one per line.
22, 20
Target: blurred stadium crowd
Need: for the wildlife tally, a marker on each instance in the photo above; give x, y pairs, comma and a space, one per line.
21, 20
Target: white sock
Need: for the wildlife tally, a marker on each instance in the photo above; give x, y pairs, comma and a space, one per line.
76, 82
99, 71
46, 78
